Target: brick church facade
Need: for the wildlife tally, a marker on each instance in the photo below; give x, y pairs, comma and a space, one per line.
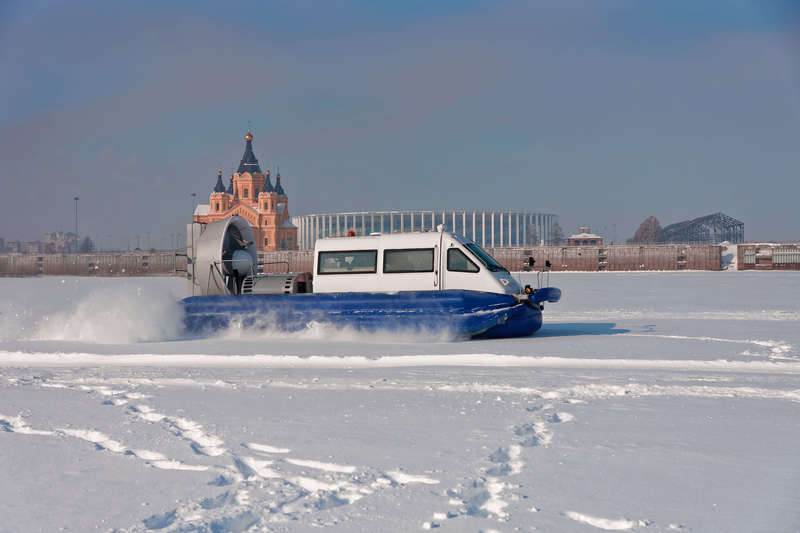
251, 195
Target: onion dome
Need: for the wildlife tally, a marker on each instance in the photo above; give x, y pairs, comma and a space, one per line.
219, 187
268, 183
278, 187
249, 163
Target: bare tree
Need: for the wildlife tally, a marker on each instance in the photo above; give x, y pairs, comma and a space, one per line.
556, 234
649, 231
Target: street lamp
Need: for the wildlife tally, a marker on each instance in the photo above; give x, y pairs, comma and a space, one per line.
193, 196
77, 244
188, 257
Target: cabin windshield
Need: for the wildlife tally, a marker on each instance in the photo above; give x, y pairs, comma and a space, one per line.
485, 258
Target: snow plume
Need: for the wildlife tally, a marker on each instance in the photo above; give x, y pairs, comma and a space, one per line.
264, 327
115, 315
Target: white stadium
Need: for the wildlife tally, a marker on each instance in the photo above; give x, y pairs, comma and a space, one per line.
492, 229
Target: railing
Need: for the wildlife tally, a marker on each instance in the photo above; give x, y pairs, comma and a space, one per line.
590, 259
785, 256
93, 264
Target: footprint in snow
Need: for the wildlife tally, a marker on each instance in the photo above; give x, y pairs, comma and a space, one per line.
557, 418
216, 502
161, 521
535, 434
499, 456
507, 462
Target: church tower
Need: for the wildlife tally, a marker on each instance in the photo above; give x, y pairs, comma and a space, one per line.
250, 194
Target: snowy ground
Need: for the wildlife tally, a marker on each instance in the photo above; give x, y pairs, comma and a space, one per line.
648, 402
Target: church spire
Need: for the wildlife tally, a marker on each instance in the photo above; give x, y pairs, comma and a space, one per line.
249, 162
219, 187
268, 183
278, 187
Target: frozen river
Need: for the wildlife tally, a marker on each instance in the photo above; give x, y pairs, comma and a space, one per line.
647, 402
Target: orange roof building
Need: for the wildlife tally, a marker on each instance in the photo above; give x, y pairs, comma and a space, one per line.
585, 238
251, 195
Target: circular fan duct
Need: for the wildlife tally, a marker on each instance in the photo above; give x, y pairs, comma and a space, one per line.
225, 254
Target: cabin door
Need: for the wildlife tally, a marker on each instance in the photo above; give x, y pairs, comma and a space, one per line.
445, 281
457, 269
438, 264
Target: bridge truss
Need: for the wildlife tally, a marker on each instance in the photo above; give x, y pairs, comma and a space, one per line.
708, 229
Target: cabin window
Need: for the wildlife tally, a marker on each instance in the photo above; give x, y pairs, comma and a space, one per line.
458, 262
484, 257
245, 193
410, 260
217, 209
350, 262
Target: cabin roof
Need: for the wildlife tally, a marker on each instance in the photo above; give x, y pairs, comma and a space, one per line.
412, 239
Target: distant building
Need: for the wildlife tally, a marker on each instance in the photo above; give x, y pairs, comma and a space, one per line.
59, 242
30, 247
585, 238
768, 256
51, 243
492, 229
251, 195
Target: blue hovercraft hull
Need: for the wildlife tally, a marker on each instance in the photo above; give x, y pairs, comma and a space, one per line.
461, 313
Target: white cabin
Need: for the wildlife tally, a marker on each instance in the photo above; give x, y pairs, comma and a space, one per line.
416, 261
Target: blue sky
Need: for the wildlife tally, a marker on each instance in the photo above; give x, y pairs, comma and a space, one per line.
601, 112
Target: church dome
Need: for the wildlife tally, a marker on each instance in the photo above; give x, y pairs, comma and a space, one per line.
219, 187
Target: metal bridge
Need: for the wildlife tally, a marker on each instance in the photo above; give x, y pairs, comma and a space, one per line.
709, 229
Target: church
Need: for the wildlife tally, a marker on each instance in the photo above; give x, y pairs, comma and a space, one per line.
251, 195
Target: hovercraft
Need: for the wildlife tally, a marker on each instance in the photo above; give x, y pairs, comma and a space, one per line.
435, 281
